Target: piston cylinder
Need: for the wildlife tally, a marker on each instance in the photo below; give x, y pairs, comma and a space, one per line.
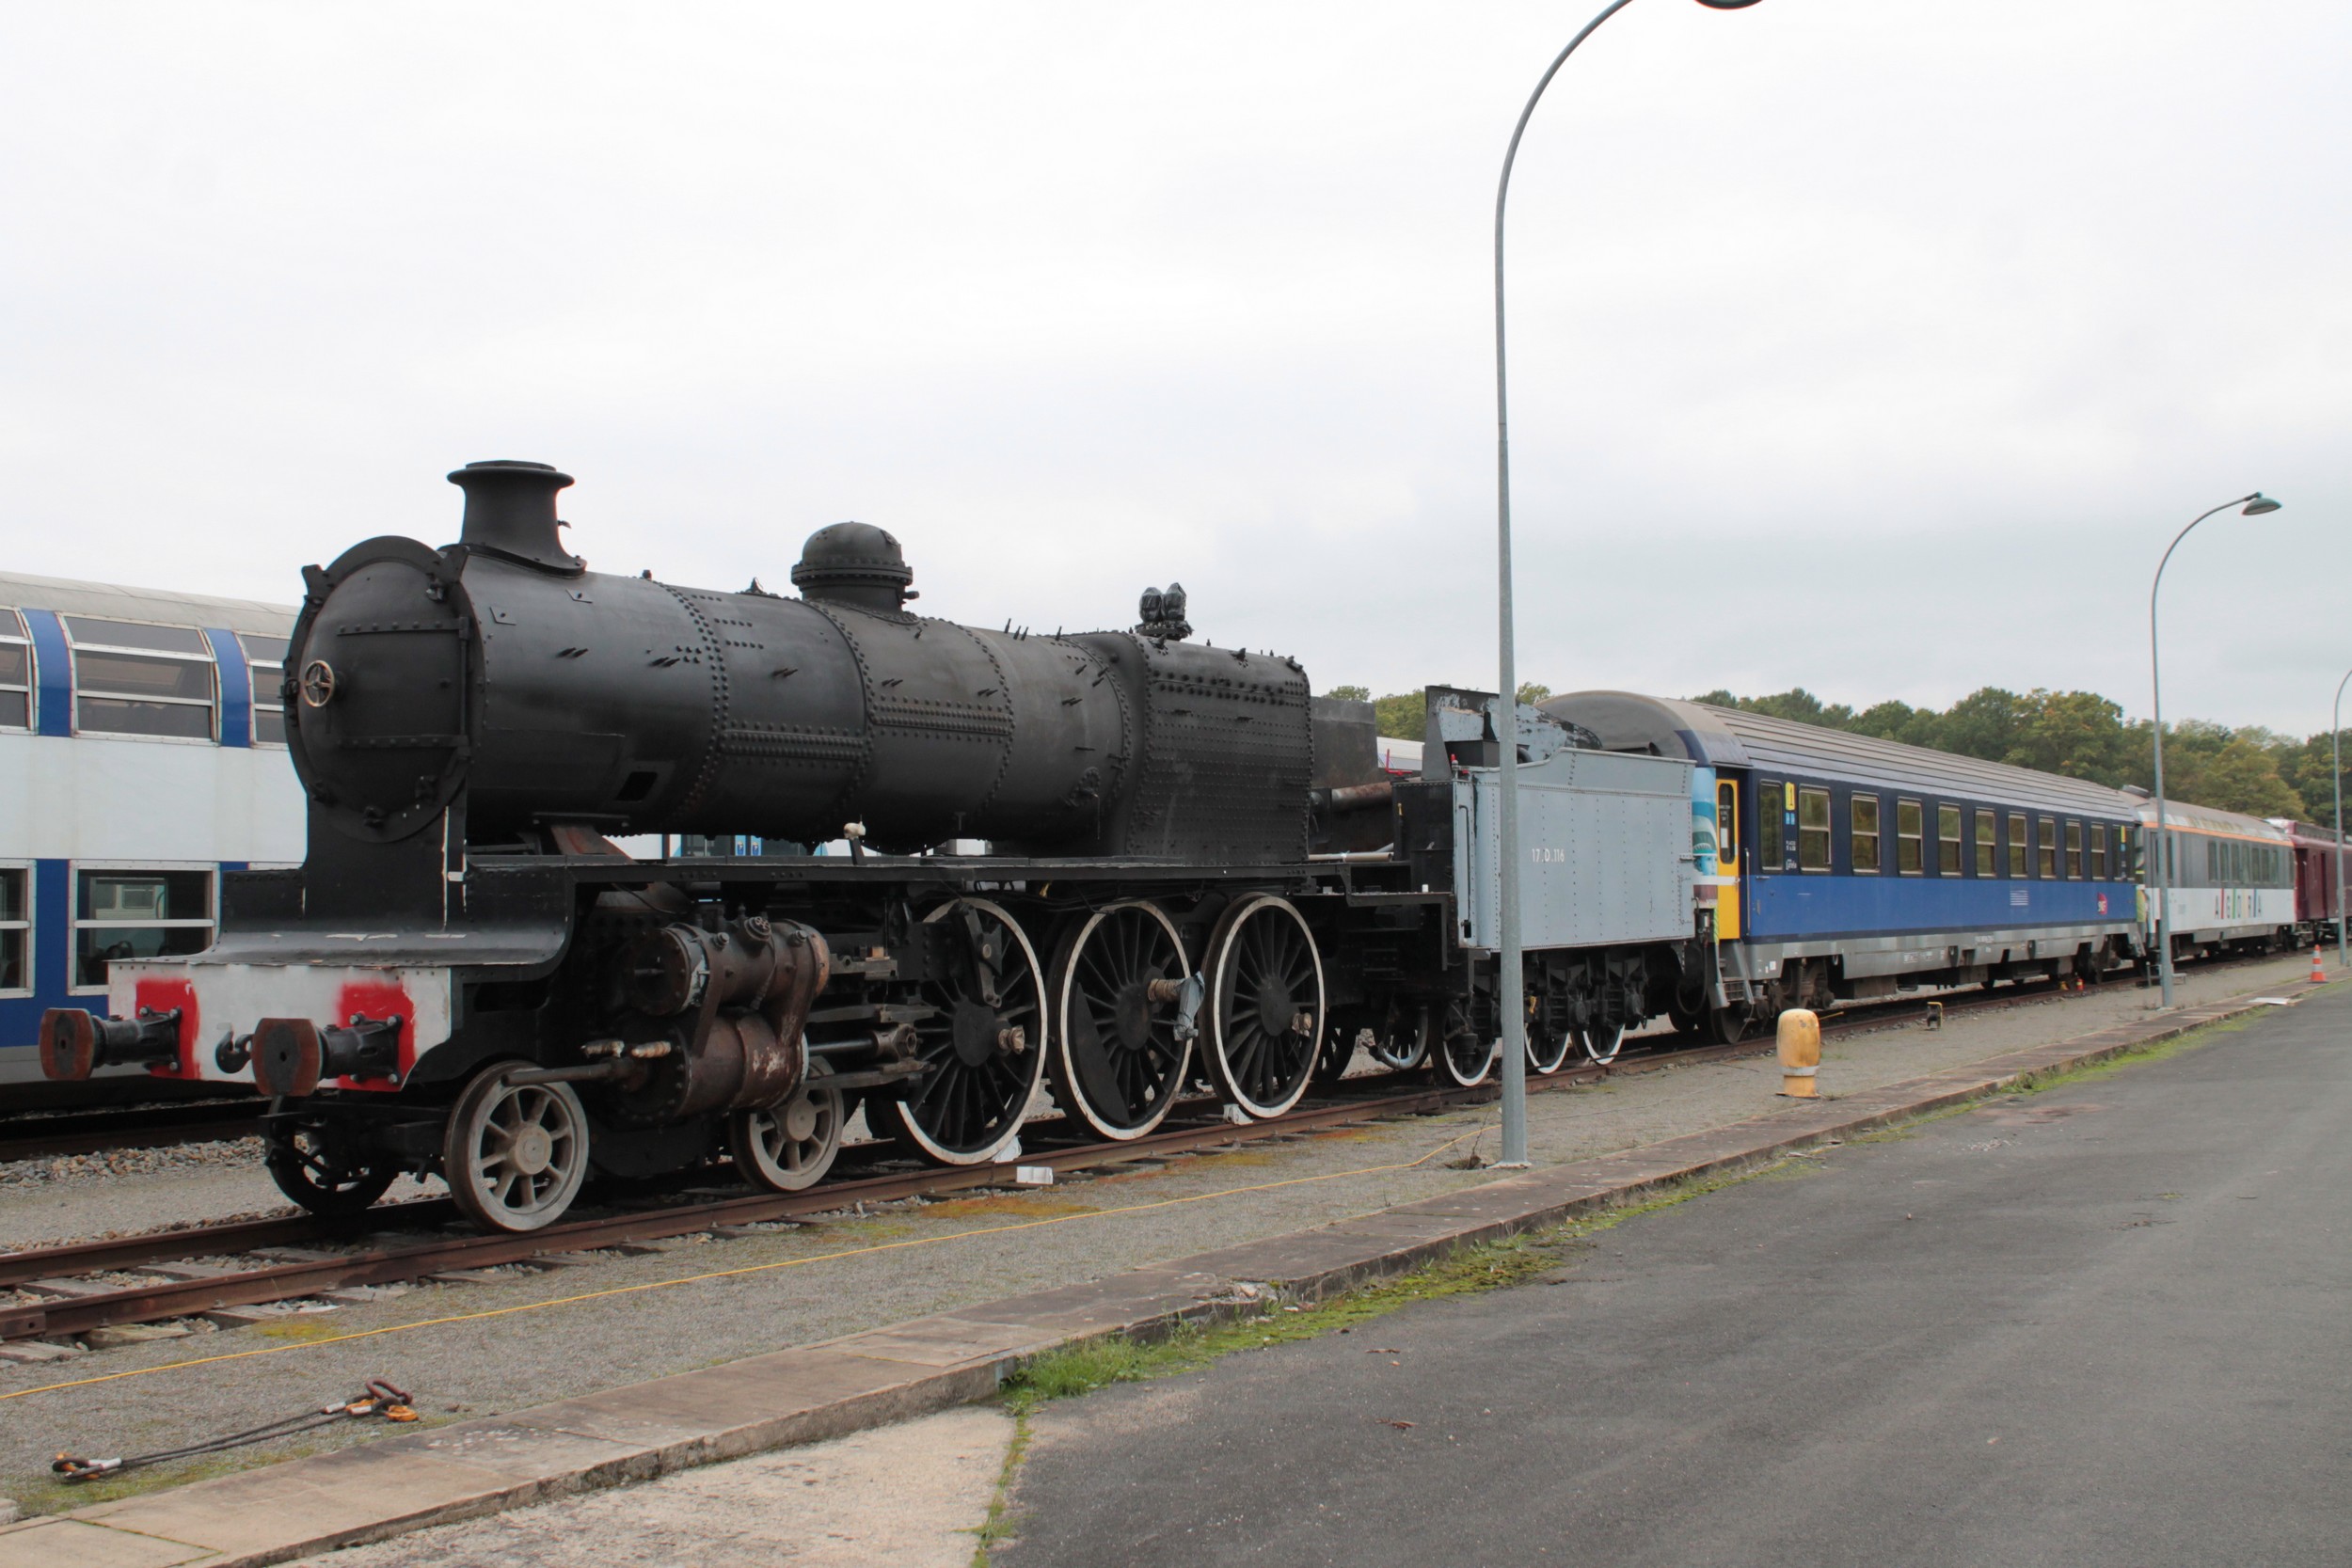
739, 998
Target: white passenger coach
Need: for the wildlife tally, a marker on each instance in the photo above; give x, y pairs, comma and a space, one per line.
142, 752
2232, 879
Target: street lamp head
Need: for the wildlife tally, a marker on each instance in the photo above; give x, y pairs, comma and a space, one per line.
2260, 504
1726, 4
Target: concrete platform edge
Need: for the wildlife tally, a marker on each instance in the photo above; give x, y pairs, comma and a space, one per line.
166, 1527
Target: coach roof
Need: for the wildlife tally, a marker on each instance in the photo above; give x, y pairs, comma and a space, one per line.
113, 602
1732, 737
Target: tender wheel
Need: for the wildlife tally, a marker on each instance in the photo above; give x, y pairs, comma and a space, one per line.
1463, 1055
324, 1169
515, 1154
1401, 1042
792, 1145
1600, 1043
1265, 1005
1117, 1064
983, 1048
1547, 1046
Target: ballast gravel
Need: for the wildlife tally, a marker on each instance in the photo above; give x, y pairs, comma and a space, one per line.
707, 1299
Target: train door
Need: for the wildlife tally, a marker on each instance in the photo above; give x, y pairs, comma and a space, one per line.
1727, 924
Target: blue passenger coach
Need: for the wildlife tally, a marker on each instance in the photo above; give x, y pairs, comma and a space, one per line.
1849, 866
142, 753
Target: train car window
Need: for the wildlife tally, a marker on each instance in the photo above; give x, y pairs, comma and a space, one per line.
2074, 852
1767, 825
129, 678
16, 930
1862, 814
1727, 823
1910, 838
1947, 841
1988, 848
16, 673
1813, 829
2213, 863
266, 660
2098, 851
2045, 864
2017, 844
138, 914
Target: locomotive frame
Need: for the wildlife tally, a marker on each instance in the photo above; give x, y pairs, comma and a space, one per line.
467, 978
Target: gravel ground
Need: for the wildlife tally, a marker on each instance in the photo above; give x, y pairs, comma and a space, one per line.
912, 1495
815, 1281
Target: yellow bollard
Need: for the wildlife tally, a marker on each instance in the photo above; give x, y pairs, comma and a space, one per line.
1800, 1054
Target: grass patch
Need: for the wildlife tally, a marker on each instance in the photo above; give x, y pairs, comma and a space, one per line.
2194, 1040
1081, 1368
1001, 1524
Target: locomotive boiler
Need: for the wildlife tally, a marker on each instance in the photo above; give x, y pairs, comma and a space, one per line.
502, 682
1190, 875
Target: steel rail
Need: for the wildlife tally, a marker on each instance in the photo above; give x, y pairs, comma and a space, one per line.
40, 1137
399, 1263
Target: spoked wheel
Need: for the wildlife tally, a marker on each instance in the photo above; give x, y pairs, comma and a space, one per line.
515, 1154
1547, 1046
1600, 1043
984, 1048
324, 1169
1349, 1030
1463, 1055
793, 1145
1401, 1042
1117, 1064
1265, 1005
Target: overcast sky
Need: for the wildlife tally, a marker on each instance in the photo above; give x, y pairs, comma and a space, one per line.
1876, 346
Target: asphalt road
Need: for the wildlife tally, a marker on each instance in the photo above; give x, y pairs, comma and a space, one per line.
2106, 1324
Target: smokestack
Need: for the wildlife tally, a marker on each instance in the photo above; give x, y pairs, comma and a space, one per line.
510, 511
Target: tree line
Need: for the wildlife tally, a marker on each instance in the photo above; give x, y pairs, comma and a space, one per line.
2078, 733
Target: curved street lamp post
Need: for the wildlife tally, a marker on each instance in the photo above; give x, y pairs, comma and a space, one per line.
2250, 506
1511, 996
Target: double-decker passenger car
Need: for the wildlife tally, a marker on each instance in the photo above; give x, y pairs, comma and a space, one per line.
2232, 880
142, 752
1848, 866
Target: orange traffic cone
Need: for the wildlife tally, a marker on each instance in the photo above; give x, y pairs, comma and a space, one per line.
2319, 975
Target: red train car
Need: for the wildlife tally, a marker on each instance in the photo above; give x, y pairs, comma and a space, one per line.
2318, 899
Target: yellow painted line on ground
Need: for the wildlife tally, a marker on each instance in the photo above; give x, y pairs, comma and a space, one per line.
732, 1273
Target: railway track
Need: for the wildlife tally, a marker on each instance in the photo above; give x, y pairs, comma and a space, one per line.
41, 1137
276, 1260
158, 1276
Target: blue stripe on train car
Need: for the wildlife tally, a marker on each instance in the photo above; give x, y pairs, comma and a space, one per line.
236, 688
55, 710
1792, 907
53, 953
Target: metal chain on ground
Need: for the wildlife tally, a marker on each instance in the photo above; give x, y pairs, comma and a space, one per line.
378, 1398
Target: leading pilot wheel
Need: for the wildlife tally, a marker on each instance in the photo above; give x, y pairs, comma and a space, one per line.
515, 1154
982, 1047
326, 1170
1117, 1062
790, 1146
1265, 1005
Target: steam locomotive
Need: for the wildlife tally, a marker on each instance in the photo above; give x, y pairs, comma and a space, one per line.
1195, 875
